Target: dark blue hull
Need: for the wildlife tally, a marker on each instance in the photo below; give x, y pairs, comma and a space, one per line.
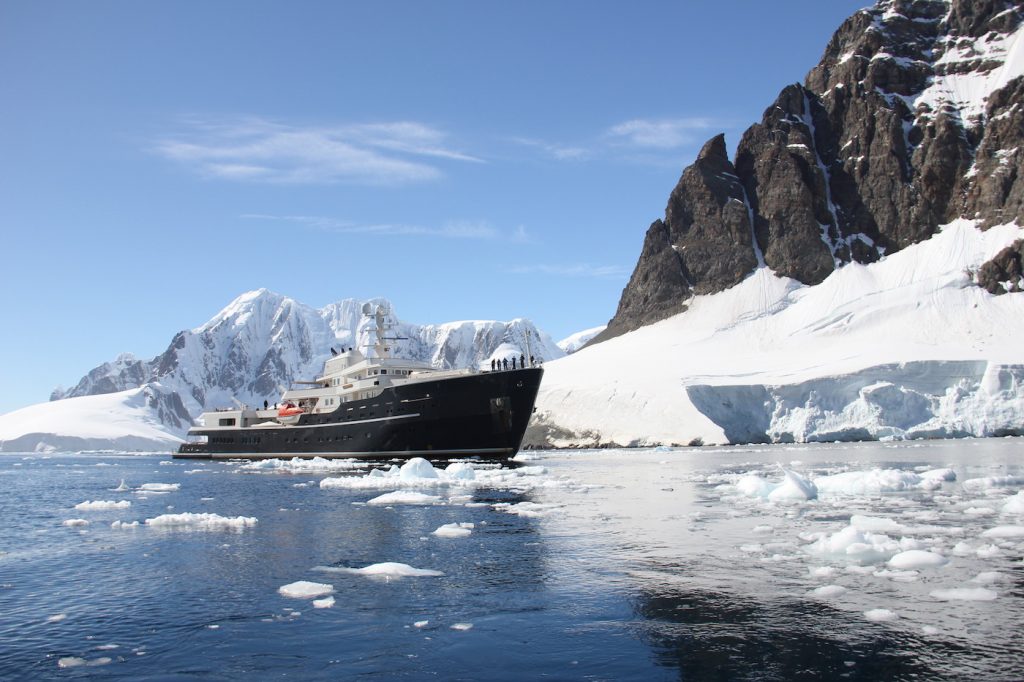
478, 414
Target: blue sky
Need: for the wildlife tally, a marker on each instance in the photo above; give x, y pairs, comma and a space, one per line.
467, 160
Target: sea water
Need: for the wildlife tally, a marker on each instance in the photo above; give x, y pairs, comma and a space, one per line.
845, 561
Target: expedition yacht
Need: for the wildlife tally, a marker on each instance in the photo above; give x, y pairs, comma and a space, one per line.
368, 404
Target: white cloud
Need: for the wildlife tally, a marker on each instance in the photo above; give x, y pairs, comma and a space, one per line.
254, 149
658, 134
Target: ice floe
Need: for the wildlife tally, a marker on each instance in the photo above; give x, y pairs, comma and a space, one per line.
304, 589
159, 487
454, 530
297, 465
202, 521
72, 523
881, 615
387, 569
325, 603
419, 473
99, 505
914, 559
965, 594
404, 497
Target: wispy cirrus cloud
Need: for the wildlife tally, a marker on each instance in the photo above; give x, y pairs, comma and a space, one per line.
570, 270
448, 230
658, 134
259, 150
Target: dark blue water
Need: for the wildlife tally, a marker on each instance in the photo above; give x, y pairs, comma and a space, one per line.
616, 583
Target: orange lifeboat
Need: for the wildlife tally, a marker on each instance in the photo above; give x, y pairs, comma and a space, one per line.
289, 414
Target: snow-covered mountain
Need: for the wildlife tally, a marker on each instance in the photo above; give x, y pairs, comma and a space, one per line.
854, 272
574, 342
250, 351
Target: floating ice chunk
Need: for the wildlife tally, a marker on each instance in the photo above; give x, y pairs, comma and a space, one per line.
462, 626
929, 630
899, 575
880, 615
988, 552
203, 521
304, 589
989, 577
875, 524
1004, 532
989, 482
300, 465
874, 481
916, 559
405, 497
56, 618
945, 474
122, 487
99, 505
324, 603
526, 509
979, 511
388, 569
70, 662
76, 662
72, 523
828, 591
417, 467
460, 471
421, 623
855, 545
754, 486
160, 487
117, 525
793, 487
1014, 504
965, 594
761, 529
454, 530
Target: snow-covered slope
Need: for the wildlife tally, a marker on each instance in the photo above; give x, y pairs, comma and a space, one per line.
250, 351
908, 346
147, 419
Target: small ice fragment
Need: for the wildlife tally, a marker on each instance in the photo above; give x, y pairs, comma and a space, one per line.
421, 623
160, 487
122, 487
827, 591
417, 467
56, 618
930, 630
70, 662
324, 603
880, 615
454, 530
97, 505
387, 569
822, 571
460, 471
462, 626
71, 523
761, 529
965, 594
124, 524
404, 497
1014, 504
988, 577
794, 487
1004, 532
917, 558
304, 589
202, 521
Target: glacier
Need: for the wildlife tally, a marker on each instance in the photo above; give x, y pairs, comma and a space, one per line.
907, 347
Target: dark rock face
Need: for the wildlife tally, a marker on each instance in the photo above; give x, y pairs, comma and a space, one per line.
908, 122
1005, 272
703, 245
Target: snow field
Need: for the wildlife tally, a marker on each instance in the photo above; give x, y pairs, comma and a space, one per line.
906, 347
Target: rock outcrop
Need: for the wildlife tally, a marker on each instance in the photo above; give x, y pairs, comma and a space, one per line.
913, 117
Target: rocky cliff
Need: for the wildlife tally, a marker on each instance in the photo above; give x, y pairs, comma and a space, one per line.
913, 117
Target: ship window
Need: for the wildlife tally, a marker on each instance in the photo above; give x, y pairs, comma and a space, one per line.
383, 371
227, 422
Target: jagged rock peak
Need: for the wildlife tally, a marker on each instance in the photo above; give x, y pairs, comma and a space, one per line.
913, 117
